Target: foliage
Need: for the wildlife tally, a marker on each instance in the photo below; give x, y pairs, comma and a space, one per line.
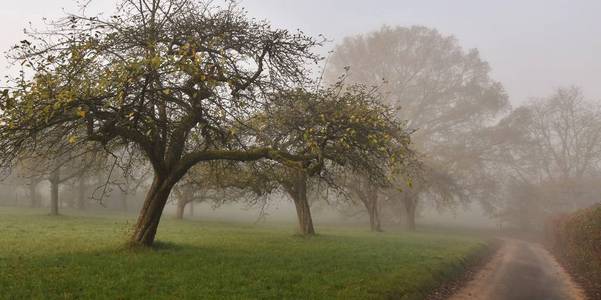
223, 181
346, 127
173, 78
443, 90
183, 82
179, 81
547, 153
576, 240
446, 94
345, 124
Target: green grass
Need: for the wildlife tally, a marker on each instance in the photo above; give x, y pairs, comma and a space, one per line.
70, 257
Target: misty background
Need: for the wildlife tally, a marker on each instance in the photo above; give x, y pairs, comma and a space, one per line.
533, 47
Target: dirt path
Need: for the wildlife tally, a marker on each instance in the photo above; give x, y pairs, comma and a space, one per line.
521, 271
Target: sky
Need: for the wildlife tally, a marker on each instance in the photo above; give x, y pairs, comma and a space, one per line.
533, 46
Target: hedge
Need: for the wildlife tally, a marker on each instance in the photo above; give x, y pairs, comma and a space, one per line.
576, 240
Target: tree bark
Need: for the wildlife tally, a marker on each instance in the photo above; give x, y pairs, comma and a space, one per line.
374, 215
369, 197
185, 196
54, 204
33, 193
191, 210
298, 191
181, 206
81, 193
410, 208
150, 215
124, 201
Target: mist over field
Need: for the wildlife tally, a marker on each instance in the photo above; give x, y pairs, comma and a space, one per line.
300, 149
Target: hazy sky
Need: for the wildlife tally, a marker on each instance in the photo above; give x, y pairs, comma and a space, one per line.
533, 46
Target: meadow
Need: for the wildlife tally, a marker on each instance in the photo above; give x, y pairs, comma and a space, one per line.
79, 257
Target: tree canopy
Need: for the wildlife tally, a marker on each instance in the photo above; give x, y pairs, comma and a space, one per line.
446, 94
185, 82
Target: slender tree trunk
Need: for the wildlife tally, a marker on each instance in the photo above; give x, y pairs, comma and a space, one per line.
191, 209
81, 193
54, 204
374, 216
303, 210
33, 193
124, 201
185, 197
181, 206
150, 215
368, 194
410, 208
371, 204
401, 213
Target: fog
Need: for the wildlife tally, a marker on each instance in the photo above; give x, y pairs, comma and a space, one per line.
532, 46
543, 53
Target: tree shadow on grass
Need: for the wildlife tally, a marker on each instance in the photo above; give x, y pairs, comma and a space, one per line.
157, 246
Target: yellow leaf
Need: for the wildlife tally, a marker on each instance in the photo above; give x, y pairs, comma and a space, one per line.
81, 113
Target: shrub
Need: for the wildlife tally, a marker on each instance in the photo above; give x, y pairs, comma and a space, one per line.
576, 240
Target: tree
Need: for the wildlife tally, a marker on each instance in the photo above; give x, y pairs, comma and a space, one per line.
523, 206
26, 169
219, 182
63, 168
176, 79
367, 194
83, 169
551, 148
185, 193
346, 127
427, 181
445, 92
182, 82
34, 181
131, 176
59, 165
565, 130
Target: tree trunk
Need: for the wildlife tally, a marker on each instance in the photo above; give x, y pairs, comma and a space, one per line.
371, 204
184, 197
54, 196
303, 210
191, 210
81, 194
33, 193
150, 215
181, 205
124, 201
410, 208
374, 216
368, 194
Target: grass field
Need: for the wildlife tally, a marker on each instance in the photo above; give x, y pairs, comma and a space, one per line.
70, 257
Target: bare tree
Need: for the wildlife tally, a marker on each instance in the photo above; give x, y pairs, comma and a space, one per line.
368, 194
219, 183
26, 169
132, 175
550, 147
425, 182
